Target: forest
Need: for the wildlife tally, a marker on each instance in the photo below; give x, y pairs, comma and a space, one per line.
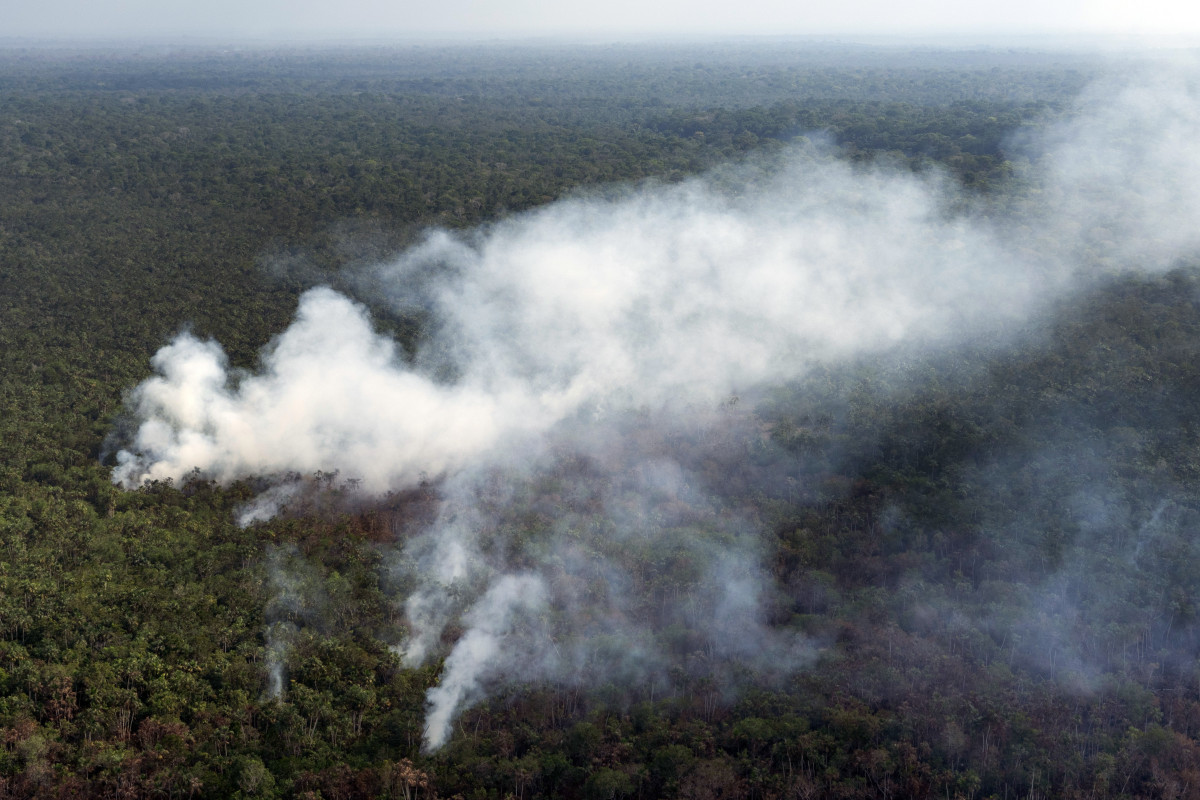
949, 554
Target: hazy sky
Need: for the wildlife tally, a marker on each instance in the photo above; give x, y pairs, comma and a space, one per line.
509, 18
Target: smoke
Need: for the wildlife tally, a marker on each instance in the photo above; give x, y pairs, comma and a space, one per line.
448, 565
279, 638
575, 390
297, 599
673, 294
1126, 173
493, 623
297, 415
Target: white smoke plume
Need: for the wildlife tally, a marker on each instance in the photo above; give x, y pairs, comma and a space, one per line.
296, 599
667, 295
279, 637
492, 622
552, 330
332, 395
448, 565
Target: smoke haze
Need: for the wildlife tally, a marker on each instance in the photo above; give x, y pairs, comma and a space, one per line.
665, 295
590, 351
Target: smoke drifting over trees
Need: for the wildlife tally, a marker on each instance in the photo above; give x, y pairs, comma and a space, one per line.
590, 352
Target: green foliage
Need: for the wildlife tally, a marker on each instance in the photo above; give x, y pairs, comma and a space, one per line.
992, 550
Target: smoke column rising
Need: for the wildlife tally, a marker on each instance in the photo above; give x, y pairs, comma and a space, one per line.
548, 329
490, 623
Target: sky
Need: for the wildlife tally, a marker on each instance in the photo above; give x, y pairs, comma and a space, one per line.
488, 19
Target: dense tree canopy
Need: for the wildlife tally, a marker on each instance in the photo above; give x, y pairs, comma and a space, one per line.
971, 639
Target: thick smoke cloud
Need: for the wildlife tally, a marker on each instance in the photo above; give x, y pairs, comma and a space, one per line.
332, 395
594, 344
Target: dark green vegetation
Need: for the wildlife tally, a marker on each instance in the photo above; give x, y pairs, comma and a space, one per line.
993, 548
